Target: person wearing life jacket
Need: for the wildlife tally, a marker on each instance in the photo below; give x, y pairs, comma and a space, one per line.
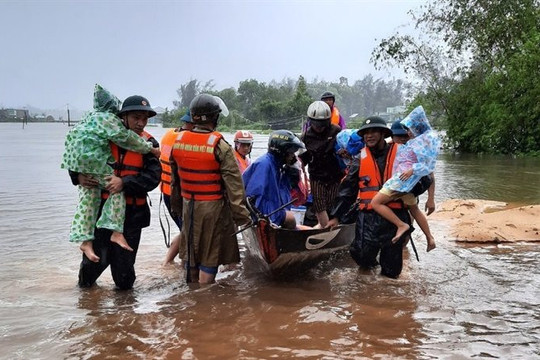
336, 118
243, 143
135, 174
365, 178
167, 142
207, 189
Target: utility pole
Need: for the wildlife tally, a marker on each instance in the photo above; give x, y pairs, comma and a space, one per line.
25, 119
67, 106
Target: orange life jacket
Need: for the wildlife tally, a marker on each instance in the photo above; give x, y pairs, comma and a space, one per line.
198, 168
167, 142
242, 162
334, 119
128, 163
370, 181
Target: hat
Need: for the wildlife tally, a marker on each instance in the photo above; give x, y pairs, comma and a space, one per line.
136, 103
328, 95
186, 117
398, 129
375, 122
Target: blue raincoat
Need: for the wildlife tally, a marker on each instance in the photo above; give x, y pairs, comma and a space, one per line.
269, 186
419, 153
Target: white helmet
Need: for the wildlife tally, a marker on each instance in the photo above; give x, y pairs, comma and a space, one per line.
319, 110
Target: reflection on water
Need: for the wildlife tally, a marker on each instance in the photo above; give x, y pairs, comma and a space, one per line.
461, 300
499, 178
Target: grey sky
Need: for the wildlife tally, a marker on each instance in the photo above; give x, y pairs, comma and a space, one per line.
53, 52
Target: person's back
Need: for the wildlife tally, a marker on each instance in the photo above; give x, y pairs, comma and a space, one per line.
167, 143
212, 193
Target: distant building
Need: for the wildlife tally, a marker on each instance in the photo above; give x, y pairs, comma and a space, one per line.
158, 119
393, 113
9, 115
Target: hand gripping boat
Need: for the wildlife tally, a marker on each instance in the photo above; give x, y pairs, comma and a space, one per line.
288, 251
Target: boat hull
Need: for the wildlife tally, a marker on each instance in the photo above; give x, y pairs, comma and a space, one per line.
286, 251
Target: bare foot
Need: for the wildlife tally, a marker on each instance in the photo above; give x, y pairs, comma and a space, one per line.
400, 231
430, 244
118, 238
88, 250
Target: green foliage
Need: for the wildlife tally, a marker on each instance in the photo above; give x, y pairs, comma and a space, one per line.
488, 51
171, 118
282, 105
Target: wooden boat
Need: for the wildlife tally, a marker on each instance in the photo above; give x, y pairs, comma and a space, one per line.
288, 251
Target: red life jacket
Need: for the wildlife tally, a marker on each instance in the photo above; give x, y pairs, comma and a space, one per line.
242, 162
334, 119
370, 181
198, 168
167, 142
128, 163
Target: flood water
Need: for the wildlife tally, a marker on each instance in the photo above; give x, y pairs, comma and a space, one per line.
458, 302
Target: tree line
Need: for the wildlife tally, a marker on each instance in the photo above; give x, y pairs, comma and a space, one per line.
282, 105
478, 65
473, 64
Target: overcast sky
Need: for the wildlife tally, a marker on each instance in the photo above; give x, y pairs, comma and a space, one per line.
53, 52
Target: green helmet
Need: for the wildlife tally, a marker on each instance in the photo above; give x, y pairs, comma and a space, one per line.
136, 103
375, 122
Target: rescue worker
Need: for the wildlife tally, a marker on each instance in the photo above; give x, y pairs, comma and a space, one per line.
365, 178
268, 180
212, 193
325, 171
336, 117
135, 174
167, 142
243, 143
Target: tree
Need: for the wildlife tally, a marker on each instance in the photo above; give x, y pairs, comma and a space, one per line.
475, 61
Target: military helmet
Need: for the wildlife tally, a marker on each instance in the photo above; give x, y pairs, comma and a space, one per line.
375, 122
204, 108
281, 142
136, 103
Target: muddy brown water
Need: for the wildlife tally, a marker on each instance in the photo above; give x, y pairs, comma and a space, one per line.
459, 302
